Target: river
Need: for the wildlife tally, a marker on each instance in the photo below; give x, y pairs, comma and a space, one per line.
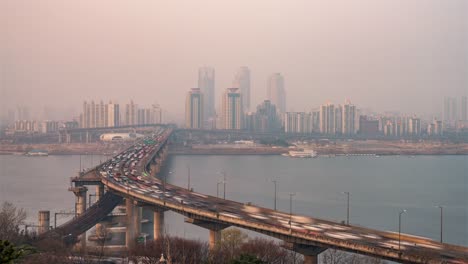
379, 188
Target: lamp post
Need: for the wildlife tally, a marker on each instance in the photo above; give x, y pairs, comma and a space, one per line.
188, 177
224, 183
217, 188
441, 221
274, 182
290, 210
399, 228
347, 207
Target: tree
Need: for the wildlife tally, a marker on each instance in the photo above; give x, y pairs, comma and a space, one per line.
10, 220
247, 259
231, 241
333, 256
9, 253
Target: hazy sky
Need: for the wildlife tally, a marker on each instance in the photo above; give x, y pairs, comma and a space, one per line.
385, 54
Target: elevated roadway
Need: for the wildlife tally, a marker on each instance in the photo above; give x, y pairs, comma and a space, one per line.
304, 234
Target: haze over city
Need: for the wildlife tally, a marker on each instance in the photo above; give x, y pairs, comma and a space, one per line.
386, 55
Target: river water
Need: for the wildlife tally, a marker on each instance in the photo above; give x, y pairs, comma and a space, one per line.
379, 186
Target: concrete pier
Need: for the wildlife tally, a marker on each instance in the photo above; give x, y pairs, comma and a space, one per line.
44, 222
213, 227
80, 207
310, 252
158, 223
133, 223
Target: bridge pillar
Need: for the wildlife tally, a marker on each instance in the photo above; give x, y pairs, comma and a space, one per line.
99, 194
158, 223
215, 230
44, 222
68, 138
60, 138
87, 136
80, 207
310, 252
133, 223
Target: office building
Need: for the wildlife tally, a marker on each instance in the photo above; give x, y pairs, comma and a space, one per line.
194, 111
464, 113
414, 126
131, 114
276, 92
368, 127
242, 81
232, 114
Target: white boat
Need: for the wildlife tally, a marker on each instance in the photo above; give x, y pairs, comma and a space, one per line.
306, 153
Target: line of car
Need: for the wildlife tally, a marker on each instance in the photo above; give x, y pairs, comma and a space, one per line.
127, 170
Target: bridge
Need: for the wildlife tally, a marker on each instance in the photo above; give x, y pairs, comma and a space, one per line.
303, 234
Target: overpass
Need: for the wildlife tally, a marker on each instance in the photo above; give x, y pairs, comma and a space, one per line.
303, 234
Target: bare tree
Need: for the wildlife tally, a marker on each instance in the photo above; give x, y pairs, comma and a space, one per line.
334, 256
10, 220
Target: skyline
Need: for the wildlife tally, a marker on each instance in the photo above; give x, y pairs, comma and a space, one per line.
361, 51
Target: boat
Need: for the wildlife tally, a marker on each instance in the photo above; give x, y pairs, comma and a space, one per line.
37, 152
306, 153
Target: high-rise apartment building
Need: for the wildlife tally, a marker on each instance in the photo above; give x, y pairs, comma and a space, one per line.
348, 119
131, 114
232, 109
298, 122
414, 126
276, 92
194, 109
242, 81
206, 83
266, 118
113, 115
327, 119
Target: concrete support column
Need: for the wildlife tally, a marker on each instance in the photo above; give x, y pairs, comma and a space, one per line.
133, 223
99, 193
310, 252
158, 223
310, 259
213, 227
60, 138
68, 138
80, 207
215, 238
44, 222
87, 137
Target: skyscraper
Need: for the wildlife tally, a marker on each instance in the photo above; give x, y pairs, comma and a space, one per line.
232, 109
348, 116
298, 122
206, 83
194, 109
276, 93
464, 113
327, 119
450, 110
242, 81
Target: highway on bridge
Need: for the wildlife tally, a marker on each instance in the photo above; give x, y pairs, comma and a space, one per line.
128, 175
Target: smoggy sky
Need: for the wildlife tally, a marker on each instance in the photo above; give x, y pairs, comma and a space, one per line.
401, 55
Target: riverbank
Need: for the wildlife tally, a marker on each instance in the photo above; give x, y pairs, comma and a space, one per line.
97, 148
369, 147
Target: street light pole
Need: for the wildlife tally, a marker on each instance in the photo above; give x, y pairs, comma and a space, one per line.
188, 177
290, 210
274, 182
347, 208
217, 188
224, 187
441, 222
399, 228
